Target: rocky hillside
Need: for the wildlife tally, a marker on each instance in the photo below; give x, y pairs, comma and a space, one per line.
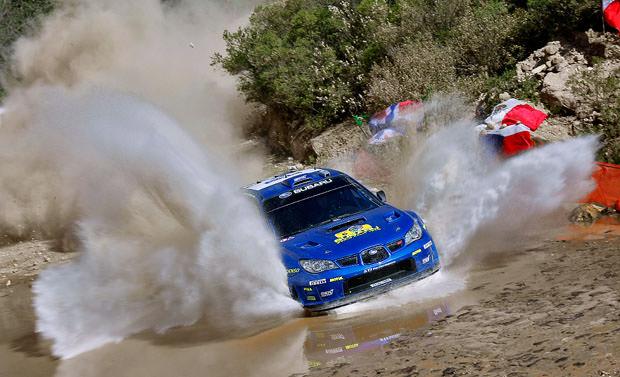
311, 65
579, 83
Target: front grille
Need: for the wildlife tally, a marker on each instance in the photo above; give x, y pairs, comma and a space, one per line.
374, 255
394, 271
351, 260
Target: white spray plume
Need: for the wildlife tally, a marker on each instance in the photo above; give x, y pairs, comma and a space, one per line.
469, 197
167, 237
137, 47
149, 179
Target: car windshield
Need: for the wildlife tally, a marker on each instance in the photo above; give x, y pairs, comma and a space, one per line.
328, 203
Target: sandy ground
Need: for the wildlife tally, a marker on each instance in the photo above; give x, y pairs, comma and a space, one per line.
553, 310
23, 261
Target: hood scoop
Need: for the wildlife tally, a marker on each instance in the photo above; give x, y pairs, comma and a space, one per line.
308, 245
347, 224
391, 216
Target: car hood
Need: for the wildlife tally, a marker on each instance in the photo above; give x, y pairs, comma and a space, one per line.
350, 235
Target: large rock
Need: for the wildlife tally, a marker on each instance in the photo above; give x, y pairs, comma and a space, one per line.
556, 129
556, 88
338, 141
558, 66
600, 44
590, 212
587, 213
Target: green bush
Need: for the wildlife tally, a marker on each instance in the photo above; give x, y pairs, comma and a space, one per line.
546, 20
414, 71
465, 55
601, 89
308, 59
526, 89
484, 39
16, 19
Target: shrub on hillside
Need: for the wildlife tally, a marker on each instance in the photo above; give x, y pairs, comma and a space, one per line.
465, 57
546, 20
484, 39
310, 59
600, 88
413, 71
16, 17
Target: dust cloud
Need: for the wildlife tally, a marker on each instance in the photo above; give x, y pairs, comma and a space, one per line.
159, 52
117, 130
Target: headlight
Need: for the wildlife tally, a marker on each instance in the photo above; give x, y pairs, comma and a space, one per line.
414, 234
314, 266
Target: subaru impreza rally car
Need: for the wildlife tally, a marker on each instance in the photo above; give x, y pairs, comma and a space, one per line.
340, 242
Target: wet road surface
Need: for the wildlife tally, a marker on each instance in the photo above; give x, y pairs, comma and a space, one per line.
294, 347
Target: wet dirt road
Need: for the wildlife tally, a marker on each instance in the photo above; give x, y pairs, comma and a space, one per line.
493, 326
293, 347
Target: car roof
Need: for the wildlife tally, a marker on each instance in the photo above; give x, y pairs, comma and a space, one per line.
281, 183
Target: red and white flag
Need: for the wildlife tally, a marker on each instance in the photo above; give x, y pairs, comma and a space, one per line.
514, 111
611, 12
516, 138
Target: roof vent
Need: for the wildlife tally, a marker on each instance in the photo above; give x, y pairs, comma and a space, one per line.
296, 181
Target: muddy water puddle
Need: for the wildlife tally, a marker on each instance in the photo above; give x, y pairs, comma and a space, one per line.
293, 347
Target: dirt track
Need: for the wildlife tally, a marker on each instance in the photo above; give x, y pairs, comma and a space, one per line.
552, 311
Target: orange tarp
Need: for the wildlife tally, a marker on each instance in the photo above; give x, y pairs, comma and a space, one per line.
607, 192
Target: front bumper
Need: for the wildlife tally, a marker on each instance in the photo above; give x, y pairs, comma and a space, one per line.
335, 288
375, 291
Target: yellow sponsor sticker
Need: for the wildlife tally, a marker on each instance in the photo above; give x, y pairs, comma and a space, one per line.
310, 298
355, 231
292, 271
339, 278
307, 289
351, 346
417, 252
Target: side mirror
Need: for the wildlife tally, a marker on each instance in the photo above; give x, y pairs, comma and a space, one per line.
381, 195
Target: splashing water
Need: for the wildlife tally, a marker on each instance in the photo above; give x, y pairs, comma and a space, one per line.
157, 51
476, 204
167, 237
472, 199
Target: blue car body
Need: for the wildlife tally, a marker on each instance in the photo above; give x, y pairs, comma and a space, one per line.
325, 218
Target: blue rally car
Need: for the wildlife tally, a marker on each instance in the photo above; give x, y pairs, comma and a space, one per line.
340, 242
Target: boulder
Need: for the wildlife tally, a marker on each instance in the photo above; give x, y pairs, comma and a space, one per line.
552, 48
587, 213
557, 66
556, 129
338, 141
556, 88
